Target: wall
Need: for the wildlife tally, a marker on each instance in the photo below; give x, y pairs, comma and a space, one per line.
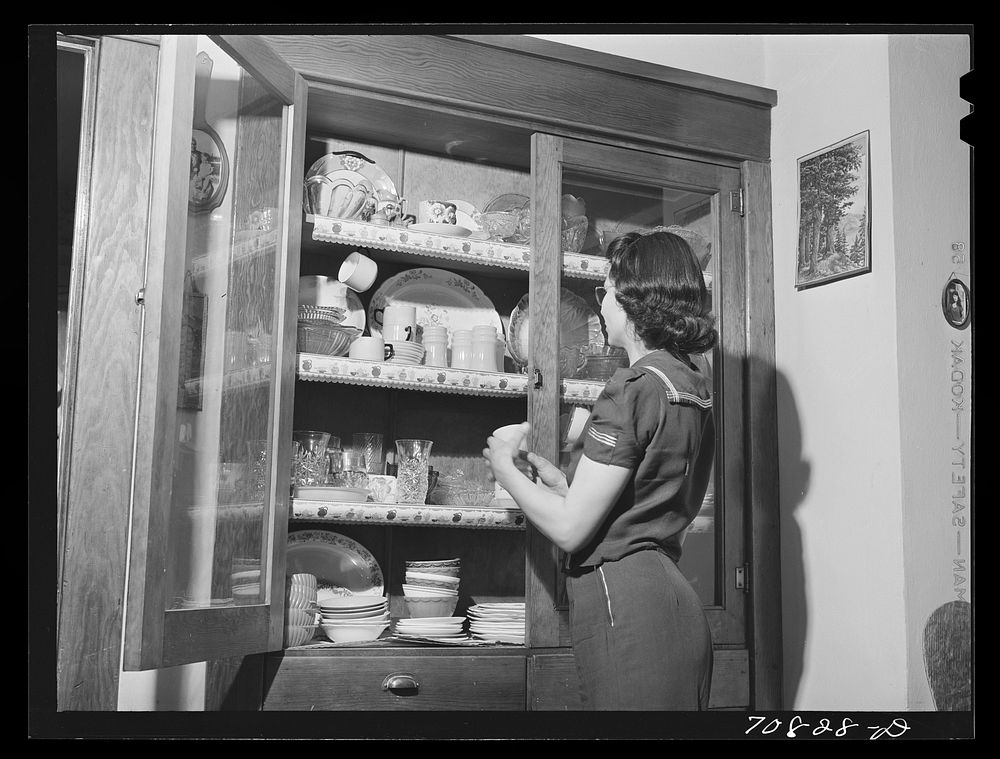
931, 193
865, 476
838, 398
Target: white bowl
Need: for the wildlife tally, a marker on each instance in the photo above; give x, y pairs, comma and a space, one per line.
354, 633
437, 579
355, 622
351, 602
424, 592
324, 617
431, 607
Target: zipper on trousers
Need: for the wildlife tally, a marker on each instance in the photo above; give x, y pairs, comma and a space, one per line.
607, 596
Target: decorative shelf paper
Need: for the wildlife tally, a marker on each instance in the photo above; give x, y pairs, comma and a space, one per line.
431, 515
408, 514
319, 368
484, 252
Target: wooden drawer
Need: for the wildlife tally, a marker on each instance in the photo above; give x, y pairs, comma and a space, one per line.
346, 683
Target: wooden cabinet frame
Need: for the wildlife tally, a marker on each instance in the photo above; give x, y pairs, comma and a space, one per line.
352, 85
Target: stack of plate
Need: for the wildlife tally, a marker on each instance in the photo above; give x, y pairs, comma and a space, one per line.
300, 609
498, 622
406, 352
431, 587
435, 628
354, 618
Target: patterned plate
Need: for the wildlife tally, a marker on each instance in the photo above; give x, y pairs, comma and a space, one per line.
340, 564
441, 297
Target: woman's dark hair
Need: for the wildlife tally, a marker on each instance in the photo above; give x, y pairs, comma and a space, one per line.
661, 288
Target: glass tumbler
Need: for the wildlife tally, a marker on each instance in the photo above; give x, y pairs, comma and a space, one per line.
309, 462
369, 444
413, 459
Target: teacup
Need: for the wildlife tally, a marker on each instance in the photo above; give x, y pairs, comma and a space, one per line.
371, 348
358, 272
438, 212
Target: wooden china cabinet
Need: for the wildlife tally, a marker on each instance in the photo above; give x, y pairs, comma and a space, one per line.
466, 117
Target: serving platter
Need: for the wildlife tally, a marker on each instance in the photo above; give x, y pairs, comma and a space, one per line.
440, 297
341, 565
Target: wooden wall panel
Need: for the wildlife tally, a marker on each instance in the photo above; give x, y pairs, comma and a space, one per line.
105, 391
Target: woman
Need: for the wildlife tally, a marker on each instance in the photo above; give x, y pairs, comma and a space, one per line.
640, 636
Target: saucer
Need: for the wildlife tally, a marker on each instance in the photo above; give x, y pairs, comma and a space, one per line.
446, 230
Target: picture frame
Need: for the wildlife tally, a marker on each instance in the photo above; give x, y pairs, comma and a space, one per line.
834, 212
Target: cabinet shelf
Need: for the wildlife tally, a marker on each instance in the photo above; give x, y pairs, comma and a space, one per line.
433, 515
341, 369
430, 515
504, 255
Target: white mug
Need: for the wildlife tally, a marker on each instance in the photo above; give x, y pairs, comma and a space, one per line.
399, 323
371, 348
358, 272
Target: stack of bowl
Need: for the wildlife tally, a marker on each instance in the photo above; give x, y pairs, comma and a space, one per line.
350, 619
430, 588
406, 352
300, 609
320, 330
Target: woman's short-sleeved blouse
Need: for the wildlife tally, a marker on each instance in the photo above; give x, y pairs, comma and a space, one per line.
654, 418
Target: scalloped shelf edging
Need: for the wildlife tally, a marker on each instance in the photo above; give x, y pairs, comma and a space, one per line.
405, 514
320, 368
484, 252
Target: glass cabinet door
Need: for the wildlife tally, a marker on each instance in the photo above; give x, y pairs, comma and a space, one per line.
216, 379
586, 195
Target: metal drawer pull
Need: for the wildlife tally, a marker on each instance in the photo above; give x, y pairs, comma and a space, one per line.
401, 681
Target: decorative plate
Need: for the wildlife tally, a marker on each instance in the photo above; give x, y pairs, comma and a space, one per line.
579, 326
355, 312
447, 230
441, 297
362, 165
339, 563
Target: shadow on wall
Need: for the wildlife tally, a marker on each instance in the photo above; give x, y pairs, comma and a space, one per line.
948, 656
795, 474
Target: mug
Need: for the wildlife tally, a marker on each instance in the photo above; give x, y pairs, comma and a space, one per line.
438, 212
399, 323
371, 348
358, 272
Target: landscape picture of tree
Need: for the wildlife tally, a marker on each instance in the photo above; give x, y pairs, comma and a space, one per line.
834, 217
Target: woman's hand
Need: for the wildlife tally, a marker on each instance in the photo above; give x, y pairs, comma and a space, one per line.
500, 455
551, 476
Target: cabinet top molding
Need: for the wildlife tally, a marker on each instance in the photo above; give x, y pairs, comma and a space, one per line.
628, 66
490, 93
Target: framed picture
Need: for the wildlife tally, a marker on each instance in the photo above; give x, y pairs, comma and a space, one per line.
834, 215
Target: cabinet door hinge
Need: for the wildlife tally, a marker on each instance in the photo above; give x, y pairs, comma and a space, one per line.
736, 201
743, 578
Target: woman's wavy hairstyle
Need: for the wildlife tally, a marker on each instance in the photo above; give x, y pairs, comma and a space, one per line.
660, 286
